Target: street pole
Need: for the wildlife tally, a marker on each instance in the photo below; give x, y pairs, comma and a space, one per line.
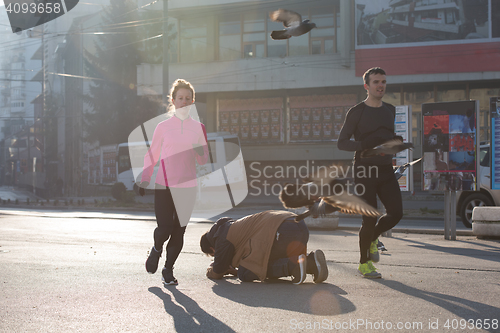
165, 81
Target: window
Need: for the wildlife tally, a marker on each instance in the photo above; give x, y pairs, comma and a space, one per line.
449, 93
173, 46
275, 48
248, 36
416, 96
484, 157
193, 40
450, 16
322, 37
254, 35
230, 39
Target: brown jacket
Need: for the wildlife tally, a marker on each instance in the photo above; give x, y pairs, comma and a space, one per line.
253, 237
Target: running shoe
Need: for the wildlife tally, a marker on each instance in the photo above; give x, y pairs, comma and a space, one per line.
168, 276
369, 271
152, 261
316, 265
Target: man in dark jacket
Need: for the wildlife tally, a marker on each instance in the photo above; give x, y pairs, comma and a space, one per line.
371, 122
269, 244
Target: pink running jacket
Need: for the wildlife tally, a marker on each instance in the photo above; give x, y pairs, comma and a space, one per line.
172, 143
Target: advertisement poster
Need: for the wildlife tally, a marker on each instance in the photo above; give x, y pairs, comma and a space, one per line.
254, 132
402, 127
316, 114
387, 22
316, 131
275, 132
434, 36
265, 131
305, 115
244, 118
254, 117
295, 131
495, 142
245, 133
275, 116
224, 118
327, 114
235, 130
235, 118
295, 115
255, 121
306, 131
264, 116
450, 146
327, 131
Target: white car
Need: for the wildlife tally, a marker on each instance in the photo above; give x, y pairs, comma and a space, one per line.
467, 200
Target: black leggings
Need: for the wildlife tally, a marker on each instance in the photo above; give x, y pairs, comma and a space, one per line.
168, 225
381, 182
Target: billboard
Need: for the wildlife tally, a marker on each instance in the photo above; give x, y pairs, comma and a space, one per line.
450, 146
430, 34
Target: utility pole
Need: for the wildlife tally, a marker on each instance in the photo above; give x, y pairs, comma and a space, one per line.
166, 57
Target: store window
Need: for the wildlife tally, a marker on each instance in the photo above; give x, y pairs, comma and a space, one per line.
193, 40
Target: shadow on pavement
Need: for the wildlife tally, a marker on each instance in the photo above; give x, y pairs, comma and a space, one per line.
319, 299
462, 307
188, 317
492, 253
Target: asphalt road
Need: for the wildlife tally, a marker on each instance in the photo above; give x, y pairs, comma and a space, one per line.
65, 274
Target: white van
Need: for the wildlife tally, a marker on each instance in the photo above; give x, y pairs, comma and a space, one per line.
467, 200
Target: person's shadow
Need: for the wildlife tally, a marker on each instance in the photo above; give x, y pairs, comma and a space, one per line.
319, 299
463, 308
188, 317
489, 252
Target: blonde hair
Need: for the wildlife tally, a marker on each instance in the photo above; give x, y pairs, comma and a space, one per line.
178, 84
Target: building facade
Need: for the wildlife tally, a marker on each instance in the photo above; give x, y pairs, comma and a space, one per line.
287, 99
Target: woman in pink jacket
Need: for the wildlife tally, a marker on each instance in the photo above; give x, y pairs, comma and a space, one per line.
178, 143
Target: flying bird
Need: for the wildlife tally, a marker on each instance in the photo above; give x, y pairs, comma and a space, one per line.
294, 26
390, 147
333, 192
381, 246
399, 170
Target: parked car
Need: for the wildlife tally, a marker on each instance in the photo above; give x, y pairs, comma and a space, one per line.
467, 200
